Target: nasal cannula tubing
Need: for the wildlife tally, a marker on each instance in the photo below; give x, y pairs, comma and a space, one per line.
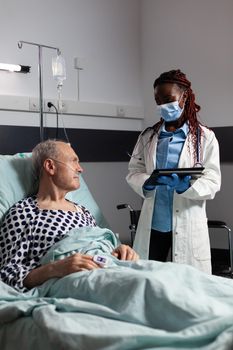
68, 166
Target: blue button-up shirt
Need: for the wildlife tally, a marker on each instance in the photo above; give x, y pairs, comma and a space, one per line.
169, 148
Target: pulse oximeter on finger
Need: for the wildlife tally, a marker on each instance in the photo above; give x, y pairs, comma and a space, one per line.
101, 260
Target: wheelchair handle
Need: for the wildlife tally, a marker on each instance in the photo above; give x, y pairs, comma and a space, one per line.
123, 206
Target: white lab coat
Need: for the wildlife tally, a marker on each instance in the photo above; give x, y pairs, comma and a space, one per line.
190, 231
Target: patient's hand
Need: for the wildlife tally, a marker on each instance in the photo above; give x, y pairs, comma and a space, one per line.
59, 268
74, 263
125, 252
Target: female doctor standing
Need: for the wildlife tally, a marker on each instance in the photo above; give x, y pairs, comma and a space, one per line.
174, 209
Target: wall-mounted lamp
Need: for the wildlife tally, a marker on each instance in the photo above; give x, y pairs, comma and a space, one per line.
15, 68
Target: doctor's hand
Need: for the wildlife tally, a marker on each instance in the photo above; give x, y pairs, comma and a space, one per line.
125, 252
180, 184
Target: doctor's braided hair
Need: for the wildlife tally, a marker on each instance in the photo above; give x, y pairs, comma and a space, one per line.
191, 109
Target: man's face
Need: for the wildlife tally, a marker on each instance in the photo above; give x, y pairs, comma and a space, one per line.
67, 168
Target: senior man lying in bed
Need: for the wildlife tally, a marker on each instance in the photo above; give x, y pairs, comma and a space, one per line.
65, 296
36, 223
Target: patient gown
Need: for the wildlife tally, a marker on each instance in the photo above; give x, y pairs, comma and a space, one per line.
26, 234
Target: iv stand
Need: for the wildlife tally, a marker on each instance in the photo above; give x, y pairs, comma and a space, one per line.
40, 46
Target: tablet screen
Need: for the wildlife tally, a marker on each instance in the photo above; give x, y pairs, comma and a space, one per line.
179, 171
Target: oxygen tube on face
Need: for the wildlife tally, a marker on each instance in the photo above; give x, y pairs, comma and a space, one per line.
77, 172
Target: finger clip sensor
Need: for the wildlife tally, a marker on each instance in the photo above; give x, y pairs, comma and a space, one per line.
101, 260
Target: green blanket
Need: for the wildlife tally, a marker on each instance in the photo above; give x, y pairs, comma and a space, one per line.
129, 305
86, 240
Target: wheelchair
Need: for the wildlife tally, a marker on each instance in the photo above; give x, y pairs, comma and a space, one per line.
134, 217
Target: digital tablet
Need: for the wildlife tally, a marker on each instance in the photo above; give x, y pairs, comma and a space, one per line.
194, 172
179, 171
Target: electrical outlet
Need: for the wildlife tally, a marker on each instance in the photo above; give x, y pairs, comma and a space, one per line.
34, 104
51, 109
46, 108
120, 111
62, 109
80, 63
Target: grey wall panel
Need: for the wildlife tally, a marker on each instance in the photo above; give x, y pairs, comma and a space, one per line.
225, 139
95, 145
90, 144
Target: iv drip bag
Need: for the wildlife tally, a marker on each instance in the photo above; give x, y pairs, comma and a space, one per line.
59, 69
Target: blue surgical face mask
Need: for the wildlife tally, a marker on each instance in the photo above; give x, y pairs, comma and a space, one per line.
170, 111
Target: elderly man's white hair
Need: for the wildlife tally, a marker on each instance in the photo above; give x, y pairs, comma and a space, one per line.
44, 150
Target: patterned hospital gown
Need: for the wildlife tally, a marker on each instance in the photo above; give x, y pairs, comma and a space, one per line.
27, 233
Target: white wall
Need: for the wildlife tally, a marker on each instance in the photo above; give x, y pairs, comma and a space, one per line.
105, 34
196, 37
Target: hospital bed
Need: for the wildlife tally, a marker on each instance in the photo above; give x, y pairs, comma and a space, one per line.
142, 305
